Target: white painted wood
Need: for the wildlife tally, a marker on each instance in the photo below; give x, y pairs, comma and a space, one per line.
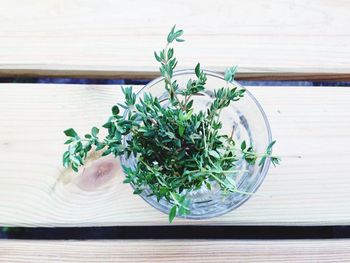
109, 38
313, 122
196, 251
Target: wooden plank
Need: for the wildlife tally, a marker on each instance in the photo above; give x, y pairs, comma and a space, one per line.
35, 190
293, 39
175, 251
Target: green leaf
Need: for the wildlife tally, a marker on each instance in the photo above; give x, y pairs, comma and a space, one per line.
115, 110
66, 154
230, 74
208, 185
75, 160
69, 141
107, 125
170, 37
197, 70
181, 116
269, 147
174, 35
214, 154
172, 213
275, 160
243, 145
65, 159
157, 57
189, 105
170, 53
227, 76
181, 130
75, 167
262, 160
231, 181
170, 135
70, 132
137, 191
99, 146
106, 152
188, 115
183, 210
178, 33
94, 131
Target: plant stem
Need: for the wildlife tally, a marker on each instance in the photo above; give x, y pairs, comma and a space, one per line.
168, 79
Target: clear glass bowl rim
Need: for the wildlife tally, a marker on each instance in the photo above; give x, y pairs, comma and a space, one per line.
268, 128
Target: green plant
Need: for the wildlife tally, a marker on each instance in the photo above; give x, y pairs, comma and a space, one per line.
178, 151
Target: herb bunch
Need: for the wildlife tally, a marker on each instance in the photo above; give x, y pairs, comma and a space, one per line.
177, 150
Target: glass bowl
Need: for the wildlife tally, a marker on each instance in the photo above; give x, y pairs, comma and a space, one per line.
249, 122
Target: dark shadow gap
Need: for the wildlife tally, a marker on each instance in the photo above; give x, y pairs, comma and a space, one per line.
179, 232
86, 81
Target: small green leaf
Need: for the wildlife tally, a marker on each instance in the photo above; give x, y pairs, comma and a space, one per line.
181, 130
170, 53
115, 110
106, 152
170, 135
231, 181
127, 180
230, 74
198, 70
170, 35
69, 141
262, 160
188, 115
172, 213
189, 105
174, 35
94, 131
157, 57
214, 154
208, 185
70, 132
75, 160
75, 167
137, 191
183, 210
178, 33
66, 160
99, 146
66, 154
227, 76
107, 125
275, 160
269, 147
243, 145
181, 116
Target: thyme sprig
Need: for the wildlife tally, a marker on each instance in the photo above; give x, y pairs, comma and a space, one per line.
178, 151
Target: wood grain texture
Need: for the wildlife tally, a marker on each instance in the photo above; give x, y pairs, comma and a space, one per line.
293, 39
311, 122
176, 251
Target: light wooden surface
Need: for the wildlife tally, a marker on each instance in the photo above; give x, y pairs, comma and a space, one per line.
267, 39
313, 122
176, 251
